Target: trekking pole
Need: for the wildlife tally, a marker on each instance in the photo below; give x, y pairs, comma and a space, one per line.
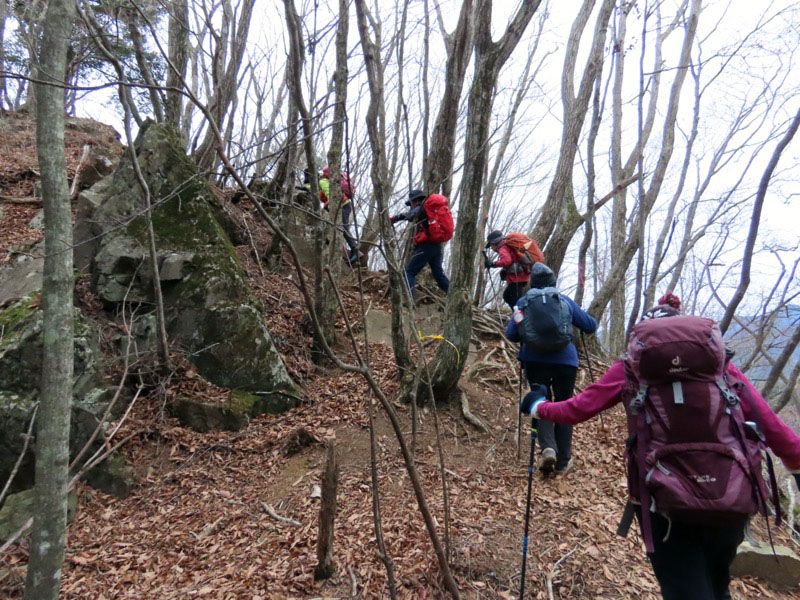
519, 414
591, 373
527, 510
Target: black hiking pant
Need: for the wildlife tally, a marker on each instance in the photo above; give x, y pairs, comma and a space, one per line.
513, 292
427, 253
693, 562
561, 381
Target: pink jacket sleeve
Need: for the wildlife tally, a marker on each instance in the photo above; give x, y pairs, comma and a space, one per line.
593, 400
781, 439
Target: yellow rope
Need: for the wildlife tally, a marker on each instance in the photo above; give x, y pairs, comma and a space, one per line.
439, 337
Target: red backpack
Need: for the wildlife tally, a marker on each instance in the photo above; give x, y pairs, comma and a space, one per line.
524, 249
440, 220
691, 455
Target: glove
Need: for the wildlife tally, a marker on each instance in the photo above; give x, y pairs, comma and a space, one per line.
530, 403
503, 274
487, 263
392, 220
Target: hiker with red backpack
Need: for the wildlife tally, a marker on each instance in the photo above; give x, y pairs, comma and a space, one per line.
696, 430
517, 253
543, 322
435, 227
347, 207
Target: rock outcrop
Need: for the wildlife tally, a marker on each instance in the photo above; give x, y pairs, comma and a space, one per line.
20, 372
211, 312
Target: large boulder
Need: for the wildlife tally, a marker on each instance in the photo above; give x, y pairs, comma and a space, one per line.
20, 372
781, 567
210, 310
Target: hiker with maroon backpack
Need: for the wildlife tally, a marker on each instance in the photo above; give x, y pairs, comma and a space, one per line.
434, 223
517, 254
696, 431
543, 322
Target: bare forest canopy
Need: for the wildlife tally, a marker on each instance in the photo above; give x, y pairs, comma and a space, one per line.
645, 145
642, 144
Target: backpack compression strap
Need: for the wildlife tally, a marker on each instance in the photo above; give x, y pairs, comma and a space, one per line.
643, 440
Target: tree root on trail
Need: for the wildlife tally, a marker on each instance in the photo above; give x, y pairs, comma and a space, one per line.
469, 417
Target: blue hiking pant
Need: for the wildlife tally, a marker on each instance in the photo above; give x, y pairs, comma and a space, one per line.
427, 253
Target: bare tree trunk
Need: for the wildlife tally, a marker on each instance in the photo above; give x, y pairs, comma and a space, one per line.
490, 57
325, 299
376, 129
178, 50
327, 516
490, 182
438, 162
5, 101
619, 213
144, 68
790, 389
617, 275
588, 222
559, 207
226, 84
744, 278
52, 434
781, 362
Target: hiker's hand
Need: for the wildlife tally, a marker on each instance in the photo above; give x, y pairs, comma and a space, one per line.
532, 400
487, 263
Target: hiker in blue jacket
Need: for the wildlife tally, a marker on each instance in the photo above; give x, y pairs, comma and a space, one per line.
556, 371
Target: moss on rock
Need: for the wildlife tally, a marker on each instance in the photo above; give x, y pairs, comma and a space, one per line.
210, 311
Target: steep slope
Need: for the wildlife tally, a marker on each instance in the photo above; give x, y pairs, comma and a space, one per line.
195, 523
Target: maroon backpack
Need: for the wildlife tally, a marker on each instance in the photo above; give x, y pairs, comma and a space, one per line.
691, 455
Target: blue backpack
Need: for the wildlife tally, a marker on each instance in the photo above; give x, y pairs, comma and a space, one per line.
546, 326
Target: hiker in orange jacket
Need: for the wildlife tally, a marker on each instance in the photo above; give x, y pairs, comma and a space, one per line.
515, 264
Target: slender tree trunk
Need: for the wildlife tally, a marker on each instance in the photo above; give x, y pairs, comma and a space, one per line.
178, 50
325, 299
559, 208
376, 130
327, 516
590, 177
781, 362
438, 162
490, 56
744, 278
52, 436
790, 388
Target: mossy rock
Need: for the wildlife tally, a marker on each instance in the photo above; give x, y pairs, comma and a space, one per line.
18, 508
210, 310
20, 372
112, 476
233, 415
206, 416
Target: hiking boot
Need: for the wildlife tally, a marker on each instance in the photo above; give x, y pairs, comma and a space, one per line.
548, 460
562, 470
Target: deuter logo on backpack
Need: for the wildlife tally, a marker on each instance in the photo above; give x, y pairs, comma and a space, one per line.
689, 453
676, 366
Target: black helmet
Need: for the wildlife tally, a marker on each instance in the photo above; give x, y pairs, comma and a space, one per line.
415, 196
494, 237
